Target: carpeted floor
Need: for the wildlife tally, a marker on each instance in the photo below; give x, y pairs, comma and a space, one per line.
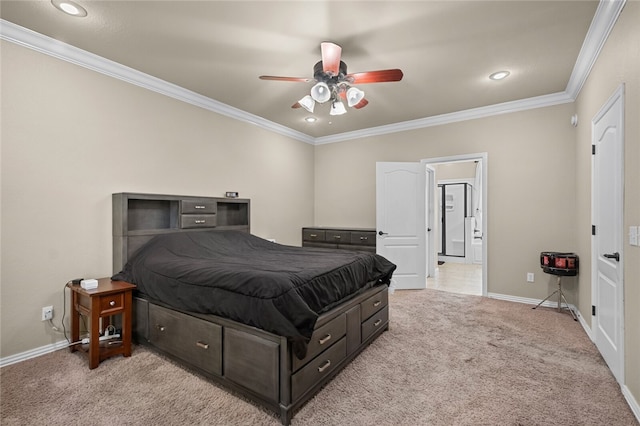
448, 359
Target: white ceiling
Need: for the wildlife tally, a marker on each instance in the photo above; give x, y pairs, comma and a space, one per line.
446, 49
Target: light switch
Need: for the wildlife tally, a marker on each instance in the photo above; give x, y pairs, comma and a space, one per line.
633, 235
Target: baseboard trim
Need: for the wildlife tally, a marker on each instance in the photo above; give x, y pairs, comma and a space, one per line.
33, 353
635, 407
528, 301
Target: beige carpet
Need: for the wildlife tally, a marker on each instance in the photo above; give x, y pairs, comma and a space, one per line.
448, 359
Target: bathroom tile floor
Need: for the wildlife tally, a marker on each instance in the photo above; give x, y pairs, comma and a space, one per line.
457, 278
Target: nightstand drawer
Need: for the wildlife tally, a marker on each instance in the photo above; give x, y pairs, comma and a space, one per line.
111, 304
198, 221
313, 235
198, 207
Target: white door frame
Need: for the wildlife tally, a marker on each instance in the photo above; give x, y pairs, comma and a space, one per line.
432, 255
482, 157
617, 96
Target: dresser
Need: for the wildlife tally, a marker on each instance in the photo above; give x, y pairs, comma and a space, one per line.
363, 239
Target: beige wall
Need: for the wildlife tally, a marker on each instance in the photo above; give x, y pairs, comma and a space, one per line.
71, 137
531, 184
619, 62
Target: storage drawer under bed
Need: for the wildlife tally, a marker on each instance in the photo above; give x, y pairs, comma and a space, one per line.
194, 340
321, 339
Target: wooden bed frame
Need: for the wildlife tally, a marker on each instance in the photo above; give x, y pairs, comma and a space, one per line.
257, 364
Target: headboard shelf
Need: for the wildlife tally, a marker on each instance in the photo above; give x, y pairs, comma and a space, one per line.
139, 217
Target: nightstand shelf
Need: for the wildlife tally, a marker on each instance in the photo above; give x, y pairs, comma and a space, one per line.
109, 299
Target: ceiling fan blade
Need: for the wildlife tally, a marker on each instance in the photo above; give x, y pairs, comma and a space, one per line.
363, 103
380, 76
272, 77
296, 105
331, 54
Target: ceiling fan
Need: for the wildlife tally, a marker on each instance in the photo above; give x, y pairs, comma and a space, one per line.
334, 84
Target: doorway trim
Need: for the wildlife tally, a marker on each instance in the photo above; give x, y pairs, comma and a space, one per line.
483, 158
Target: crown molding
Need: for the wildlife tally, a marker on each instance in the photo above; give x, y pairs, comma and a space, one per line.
603, 22
52, 47
601, 25
438, 120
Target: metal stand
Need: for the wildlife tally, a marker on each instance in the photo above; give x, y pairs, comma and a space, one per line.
560, 299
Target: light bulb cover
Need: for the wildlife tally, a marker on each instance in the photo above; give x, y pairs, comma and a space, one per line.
307, 103
321, 92
354, 96
337, 108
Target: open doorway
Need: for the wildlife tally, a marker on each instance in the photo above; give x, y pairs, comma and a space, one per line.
458, 223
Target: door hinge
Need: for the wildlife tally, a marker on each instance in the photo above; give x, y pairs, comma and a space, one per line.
593, 150
593, 310
593, 230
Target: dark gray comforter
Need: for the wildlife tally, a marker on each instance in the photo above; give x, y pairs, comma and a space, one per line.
278, 288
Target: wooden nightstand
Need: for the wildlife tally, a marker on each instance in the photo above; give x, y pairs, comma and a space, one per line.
110, 298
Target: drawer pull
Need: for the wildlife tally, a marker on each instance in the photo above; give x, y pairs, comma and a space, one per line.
313, 235
112, 303
200, 221
377, 323
160, 327
337, 237
199, 207
325, 339
376, 304
364, 238
202, 345
325, 366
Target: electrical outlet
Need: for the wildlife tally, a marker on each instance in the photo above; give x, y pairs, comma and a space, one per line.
529, 277
47, 313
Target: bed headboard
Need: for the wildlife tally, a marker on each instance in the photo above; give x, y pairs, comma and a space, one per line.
139, 217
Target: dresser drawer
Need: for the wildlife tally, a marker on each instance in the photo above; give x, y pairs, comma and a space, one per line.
322, 338
198, 207
337, 237
194, 340
198, 221
377, 321
374, 303
313, 235
363, 238
321, 366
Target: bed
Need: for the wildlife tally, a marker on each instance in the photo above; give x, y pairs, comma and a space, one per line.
269, 321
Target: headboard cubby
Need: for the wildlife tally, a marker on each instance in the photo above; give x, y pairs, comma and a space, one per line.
139, 217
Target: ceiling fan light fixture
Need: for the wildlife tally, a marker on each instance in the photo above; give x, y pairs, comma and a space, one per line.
307, 103
337, 108
321, 92
354, 96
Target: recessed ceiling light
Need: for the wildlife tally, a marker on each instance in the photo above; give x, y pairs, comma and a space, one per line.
499, 75
70, 8
310, 119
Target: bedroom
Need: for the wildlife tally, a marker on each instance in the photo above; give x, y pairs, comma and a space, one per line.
71, 137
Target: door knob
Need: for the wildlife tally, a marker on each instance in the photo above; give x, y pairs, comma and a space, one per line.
382, 233
615, 256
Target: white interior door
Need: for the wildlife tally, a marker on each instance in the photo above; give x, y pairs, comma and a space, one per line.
607, 291
400, 221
